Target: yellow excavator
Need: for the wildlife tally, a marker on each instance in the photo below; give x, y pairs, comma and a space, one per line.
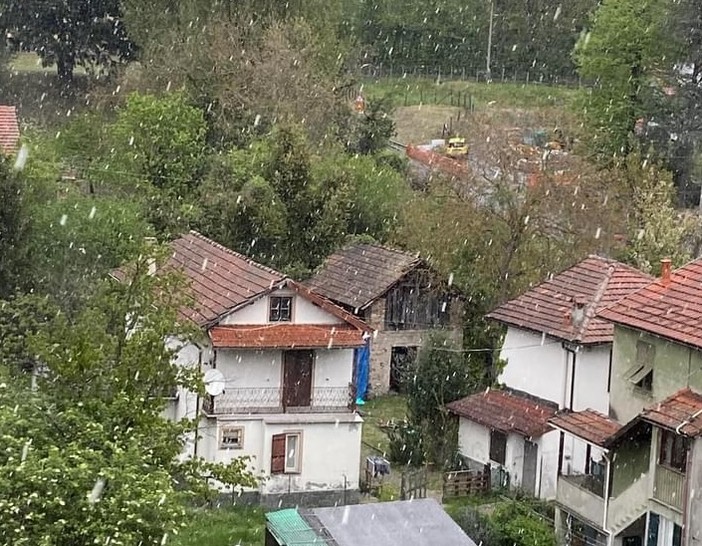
456, 147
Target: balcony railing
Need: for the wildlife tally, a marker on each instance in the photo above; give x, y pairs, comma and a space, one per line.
582, 495
668, 487
272, 400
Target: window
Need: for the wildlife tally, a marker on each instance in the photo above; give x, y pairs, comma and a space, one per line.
286, 453
231, 437
673, 451
280, 309
498, 446
641, 374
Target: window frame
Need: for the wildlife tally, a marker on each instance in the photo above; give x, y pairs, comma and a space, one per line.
641, 374
228, 429
672, 451
286, 469
492, 450
276, 313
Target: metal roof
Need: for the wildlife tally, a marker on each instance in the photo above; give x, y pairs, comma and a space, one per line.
419, 522
290, 529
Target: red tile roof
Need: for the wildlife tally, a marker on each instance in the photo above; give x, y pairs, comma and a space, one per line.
219, 279
9, 129
360, 273
681, 412
590, 425
672, 310
597, 282
506, 411
286, 336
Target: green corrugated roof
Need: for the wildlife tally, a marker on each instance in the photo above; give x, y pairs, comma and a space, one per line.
288, 527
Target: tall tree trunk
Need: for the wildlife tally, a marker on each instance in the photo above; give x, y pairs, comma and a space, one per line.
65, 63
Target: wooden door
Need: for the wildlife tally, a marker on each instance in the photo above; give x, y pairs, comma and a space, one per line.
297, 378
531, 454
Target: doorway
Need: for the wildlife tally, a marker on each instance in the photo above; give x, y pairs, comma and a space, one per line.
297, 378
531, 455
401, 360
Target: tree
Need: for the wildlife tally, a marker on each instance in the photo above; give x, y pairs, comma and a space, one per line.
656, 230
87, 33
622, 53
14, 228
88, 457
439, 376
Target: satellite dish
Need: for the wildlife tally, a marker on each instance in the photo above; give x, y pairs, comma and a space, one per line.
214, 382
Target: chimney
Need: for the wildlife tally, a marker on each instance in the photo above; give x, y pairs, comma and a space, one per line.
665, 271
577, 315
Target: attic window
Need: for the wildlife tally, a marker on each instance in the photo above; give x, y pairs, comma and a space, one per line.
280, 309
641, 374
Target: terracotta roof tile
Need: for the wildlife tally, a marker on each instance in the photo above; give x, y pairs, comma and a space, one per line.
360, 273
286, 336
546, 308
9, 129
219, 278
672, 310
590, 425
506, 411
681, 412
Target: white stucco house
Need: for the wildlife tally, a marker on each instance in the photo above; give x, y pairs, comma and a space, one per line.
286, 356
558, 351
506, 430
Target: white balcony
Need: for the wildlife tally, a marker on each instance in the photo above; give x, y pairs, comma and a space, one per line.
273, 400
582, 495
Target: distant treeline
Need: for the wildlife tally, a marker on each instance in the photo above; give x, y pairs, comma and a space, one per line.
528, 35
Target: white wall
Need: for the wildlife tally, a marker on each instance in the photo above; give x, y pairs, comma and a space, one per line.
303, 311
333, 368
185, 405
540, 366
331, 449
535, 364
250, 368
473, 440
548, 464
591, 378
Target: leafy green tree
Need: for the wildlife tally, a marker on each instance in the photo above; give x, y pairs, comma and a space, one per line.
79, 239
656, 230
88, 457
69, 33
375, 128
439, 376
14, 228
621, 53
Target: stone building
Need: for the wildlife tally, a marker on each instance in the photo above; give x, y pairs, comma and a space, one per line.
396, 293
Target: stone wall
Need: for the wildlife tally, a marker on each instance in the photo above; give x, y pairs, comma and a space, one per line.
384, 340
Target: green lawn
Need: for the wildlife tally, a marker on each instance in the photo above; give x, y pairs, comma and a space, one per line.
414, 91
230, 526
391, 407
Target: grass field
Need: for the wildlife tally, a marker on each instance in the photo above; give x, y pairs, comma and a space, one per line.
378, 411
414, 91
230, 526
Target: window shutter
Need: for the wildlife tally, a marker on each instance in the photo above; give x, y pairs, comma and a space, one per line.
278, 454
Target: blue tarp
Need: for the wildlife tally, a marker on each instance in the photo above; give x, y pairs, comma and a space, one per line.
362, 360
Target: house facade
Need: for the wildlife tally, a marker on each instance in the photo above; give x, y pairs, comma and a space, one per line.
553, 332
647, 487
510, 432
398, 295
282, 392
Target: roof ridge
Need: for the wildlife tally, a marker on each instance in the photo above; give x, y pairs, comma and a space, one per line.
414, 255
237, 254
592, 307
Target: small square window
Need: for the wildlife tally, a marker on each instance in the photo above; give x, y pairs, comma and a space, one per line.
280, 309
231, 438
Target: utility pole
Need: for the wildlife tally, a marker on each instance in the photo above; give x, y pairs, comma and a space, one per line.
489, 44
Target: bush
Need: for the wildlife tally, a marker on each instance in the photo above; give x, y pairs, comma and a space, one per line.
477, 526
406, 444
518, 524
